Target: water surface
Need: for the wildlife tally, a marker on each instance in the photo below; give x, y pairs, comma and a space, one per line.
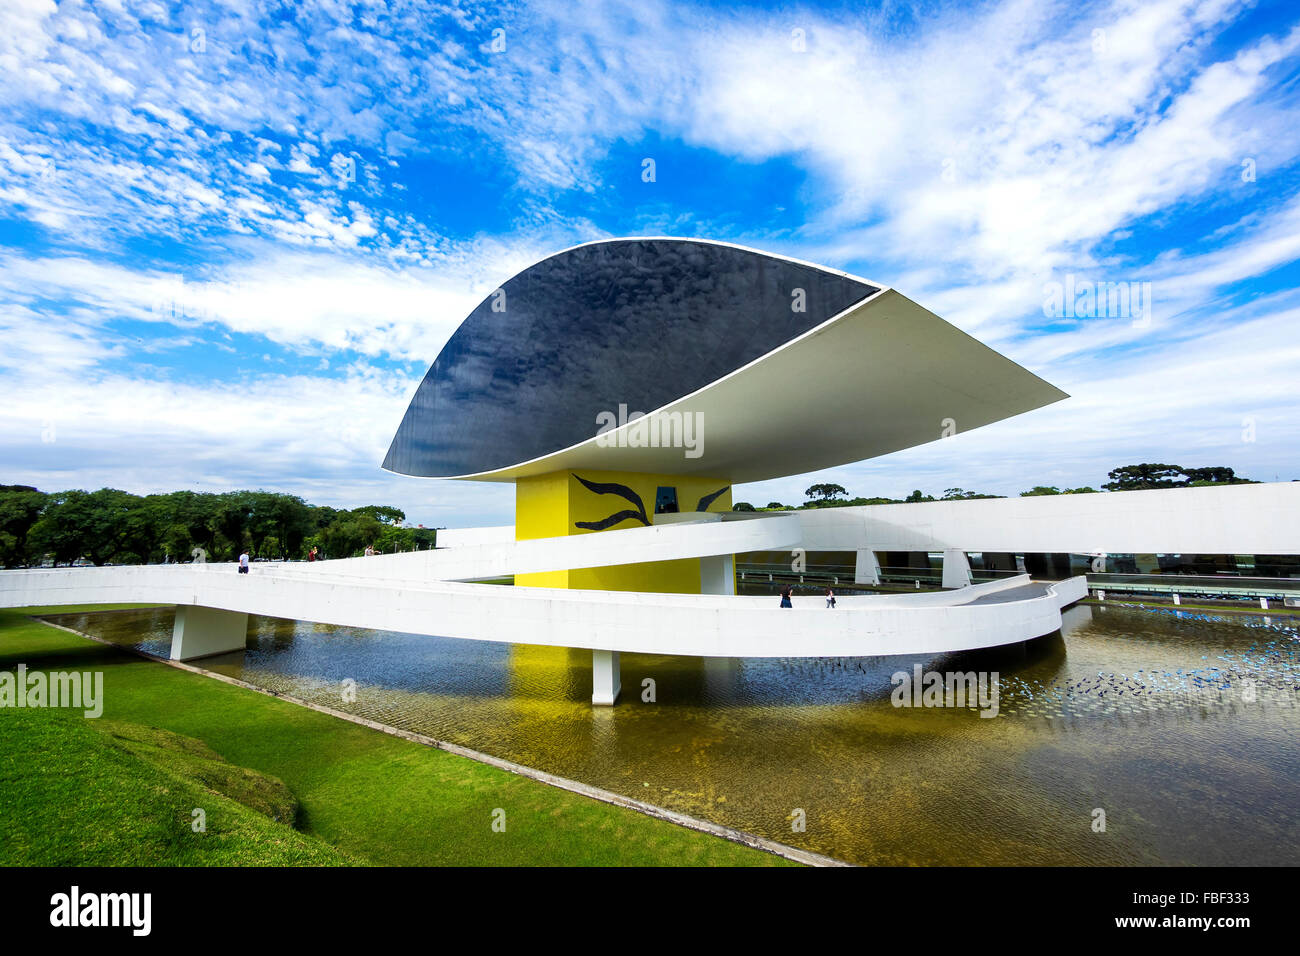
1143, 714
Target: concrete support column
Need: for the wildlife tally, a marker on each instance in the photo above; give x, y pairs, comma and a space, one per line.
606, 682
956, 569
204, 631
718, 574
866, 569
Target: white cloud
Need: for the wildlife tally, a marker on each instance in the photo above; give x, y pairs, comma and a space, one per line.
966, 157
300, 300
322, 438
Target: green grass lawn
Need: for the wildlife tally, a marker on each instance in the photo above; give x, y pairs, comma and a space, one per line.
122, 789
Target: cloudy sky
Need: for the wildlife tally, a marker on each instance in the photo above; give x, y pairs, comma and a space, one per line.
234, 235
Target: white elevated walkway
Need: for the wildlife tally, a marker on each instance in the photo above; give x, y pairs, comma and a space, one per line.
697, 625
426, 593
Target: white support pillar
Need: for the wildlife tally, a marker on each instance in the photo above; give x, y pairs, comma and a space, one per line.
866, 568
606, 682
718, 574
204, 631
956, 569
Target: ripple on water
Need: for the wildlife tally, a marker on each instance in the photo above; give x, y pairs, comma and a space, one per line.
1181, 728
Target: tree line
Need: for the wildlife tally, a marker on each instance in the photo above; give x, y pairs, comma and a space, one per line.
1123, 478
109, 526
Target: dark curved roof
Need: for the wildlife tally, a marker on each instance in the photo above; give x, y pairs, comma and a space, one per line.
636, 321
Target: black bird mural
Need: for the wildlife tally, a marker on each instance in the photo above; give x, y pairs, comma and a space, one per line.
709, 499
639, 514
613, 488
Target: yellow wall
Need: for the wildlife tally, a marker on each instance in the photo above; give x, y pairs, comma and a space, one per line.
541, 511
551, 505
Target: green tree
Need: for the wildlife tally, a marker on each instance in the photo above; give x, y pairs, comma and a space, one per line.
140, 530
92, 524
1133, 477
187, 522
111, 525
349, 533
1214, 475
825, 492
1040, 490
230, 520
742, 506
961, 494
393, 538
277, 524
383, 513
20, 508
1211, 475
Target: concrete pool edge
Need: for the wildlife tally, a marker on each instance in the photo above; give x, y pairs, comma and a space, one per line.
751, 840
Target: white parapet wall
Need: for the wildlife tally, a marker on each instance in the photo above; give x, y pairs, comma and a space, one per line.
701, 538
1226, 519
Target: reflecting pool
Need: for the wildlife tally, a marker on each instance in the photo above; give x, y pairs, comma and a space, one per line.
1180, 726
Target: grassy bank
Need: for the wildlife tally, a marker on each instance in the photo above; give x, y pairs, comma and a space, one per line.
73, 792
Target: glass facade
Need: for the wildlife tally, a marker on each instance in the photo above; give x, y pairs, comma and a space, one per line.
666, 501
636, 323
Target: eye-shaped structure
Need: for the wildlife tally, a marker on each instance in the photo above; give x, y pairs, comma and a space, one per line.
779, 367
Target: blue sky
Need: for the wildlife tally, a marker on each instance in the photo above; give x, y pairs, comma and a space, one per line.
234, 235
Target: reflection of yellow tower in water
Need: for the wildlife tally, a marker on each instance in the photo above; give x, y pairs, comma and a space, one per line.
545, 710
538, 672
565, 503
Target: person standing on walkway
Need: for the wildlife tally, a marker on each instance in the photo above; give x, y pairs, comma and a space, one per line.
243, 563
785, 596
830, 598
311, 555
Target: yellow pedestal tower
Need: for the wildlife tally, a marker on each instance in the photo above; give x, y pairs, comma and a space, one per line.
589, 502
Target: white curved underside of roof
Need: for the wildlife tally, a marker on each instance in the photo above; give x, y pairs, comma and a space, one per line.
884, 375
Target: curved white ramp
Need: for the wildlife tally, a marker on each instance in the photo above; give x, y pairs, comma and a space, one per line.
425, 593
704, 538
702, 625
